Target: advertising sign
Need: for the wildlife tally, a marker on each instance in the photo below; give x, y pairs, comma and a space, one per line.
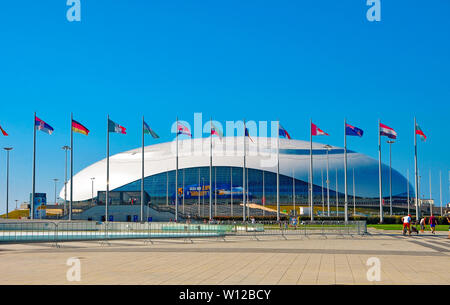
40, 203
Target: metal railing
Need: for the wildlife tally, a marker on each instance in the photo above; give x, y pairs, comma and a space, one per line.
44, 231
15, 232
304, 228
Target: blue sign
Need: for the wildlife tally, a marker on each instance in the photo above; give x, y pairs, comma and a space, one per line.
110, 218
149, 219
135, 218
40, 203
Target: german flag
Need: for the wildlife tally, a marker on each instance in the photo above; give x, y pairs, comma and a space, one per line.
77, 127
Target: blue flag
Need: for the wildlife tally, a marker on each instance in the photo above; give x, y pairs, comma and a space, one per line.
353, 131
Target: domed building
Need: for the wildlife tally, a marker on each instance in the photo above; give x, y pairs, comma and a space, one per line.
227, 176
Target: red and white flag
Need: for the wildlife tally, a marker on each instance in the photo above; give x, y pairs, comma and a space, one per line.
315, 131
387, 132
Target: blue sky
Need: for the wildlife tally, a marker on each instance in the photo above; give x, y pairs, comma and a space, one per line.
258, 60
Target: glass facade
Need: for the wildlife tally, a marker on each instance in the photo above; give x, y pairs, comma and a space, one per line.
194, 184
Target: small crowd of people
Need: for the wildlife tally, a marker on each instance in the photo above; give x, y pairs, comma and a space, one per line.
432, 222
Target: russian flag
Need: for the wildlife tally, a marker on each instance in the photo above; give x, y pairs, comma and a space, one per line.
315, 131
42, 126
283, 133
387, 132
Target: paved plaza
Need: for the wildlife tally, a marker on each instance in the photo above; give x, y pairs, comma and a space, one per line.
423, 259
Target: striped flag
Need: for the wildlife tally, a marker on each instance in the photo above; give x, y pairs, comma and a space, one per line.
387, 132
116, 128
419, 131
148, 130
77, 127
283, 132
315, 131
42, 126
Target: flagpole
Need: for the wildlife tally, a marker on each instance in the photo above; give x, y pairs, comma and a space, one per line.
440, 189
328, 183
354, 195
34, 168
431, 205
142, 165
379, 174
345, 173
407, 187
278, 172
243, 176
107, 171
176, 181
231, 190
416, 171
311, 199
71, 167
337, 194
210, 169
215, 193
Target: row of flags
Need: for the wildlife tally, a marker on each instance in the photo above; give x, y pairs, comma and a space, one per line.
352, 131
183, 129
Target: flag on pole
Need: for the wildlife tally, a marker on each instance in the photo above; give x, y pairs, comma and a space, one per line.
42, 126
419, 131
387, 132
77, 127
315, 131
182, 129
247, 134
148, 130
3, 132
353, 131
216, 131
116, 128
283, 132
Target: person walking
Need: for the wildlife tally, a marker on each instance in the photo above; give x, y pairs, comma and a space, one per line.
422, 224
406, 224
448, 221
432, 223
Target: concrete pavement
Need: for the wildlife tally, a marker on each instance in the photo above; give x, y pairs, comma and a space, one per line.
423, 259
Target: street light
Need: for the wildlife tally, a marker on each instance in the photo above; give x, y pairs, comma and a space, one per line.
328, 148
7, 177
66, 149
390, 175
56, 180
92, 182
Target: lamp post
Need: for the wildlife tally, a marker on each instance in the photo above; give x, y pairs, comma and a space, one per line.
390, 176
328, 148
92, 191
65, 148
16, 203
55, 180
8, 149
